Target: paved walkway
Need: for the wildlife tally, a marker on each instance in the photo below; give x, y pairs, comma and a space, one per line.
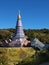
47, 63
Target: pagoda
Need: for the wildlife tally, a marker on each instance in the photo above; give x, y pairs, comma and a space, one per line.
19, 38
19, 33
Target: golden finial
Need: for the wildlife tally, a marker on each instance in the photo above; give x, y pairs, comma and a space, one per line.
19, 17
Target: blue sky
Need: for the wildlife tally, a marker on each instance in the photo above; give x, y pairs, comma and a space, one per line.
34, 13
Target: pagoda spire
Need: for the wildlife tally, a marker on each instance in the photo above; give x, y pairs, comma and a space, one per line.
19, 17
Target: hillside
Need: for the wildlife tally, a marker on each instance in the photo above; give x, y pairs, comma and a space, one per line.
22, 56
41, 34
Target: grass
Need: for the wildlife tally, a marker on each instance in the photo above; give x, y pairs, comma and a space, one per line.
22, 56
14, 55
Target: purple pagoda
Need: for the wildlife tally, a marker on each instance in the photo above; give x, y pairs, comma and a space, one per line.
19, 38
19, 33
